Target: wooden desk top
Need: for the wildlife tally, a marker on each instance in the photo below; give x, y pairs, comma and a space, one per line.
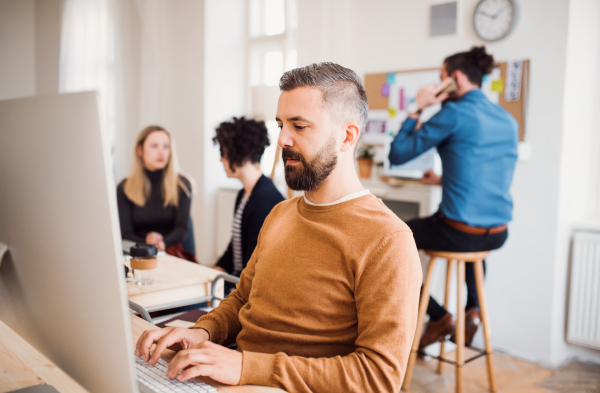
176, 280
22, 366
138, 326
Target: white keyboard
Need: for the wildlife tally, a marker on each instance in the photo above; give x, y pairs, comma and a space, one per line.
154, 378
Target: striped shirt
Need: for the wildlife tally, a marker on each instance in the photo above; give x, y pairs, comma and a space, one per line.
236, 238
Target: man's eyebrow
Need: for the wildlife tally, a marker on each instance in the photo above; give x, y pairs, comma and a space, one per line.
298, 118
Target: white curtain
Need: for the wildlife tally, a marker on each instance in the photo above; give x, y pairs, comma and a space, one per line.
87, 53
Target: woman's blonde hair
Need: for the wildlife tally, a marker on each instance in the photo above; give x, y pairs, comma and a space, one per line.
137, 186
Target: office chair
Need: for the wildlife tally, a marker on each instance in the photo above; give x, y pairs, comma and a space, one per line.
214, 299
188, 242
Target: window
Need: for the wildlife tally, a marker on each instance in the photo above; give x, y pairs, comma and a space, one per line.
271, 52
87, 54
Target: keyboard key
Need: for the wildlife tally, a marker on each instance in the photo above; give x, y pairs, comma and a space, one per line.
155, 378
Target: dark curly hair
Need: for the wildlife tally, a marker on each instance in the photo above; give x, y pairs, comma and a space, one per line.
242, 140
474, 64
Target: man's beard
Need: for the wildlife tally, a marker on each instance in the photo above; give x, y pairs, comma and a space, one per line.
307, 176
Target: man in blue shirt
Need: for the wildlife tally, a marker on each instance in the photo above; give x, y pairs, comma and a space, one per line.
477, 142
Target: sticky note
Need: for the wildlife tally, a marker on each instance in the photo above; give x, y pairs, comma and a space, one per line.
498, 85
390, 79
392, 112
385, 90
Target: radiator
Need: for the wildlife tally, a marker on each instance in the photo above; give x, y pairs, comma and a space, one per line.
584, 293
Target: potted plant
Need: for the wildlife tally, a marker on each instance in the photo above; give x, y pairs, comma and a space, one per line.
364, 157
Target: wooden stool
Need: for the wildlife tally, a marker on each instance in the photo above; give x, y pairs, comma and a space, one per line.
461, 258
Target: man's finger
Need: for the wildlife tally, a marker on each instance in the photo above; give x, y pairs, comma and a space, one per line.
187, 358
443, 85
200, 370
139, 348
138, 353
146, 341
442, 97
172, 337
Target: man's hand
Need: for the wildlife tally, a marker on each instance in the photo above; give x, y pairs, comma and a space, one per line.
207, 359
219, 268
165, 338
427, 94
430, 177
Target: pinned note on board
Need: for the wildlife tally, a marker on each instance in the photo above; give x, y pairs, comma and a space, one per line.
392, 112
498, 85
390, 78
514, 72
385, 90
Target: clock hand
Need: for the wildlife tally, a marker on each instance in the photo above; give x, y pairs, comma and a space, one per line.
497, 14
486, 14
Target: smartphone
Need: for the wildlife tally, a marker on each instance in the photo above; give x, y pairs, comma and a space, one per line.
451, 88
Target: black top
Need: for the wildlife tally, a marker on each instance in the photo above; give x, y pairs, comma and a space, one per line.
263, 198
171, 222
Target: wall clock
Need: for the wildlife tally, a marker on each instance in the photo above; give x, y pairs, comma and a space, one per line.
494, 19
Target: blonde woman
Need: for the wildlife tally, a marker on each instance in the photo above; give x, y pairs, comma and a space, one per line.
154, 201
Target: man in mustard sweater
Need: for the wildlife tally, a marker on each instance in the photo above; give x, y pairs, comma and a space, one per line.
328, 301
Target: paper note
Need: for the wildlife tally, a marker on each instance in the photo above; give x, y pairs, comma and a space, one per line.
376, 127
402, 98
498, 85
392, 112
385, 90
514, 71
180, 323
390, 79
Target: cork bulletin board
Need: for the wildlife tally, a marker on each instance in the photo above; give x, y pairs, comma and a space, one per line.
388, 95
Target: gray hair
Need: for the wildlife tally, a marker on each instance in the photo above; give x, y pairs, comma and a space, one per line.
343, 92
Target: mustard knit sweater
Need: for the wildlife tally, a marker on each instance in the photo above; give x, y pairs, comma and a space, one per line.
328, 301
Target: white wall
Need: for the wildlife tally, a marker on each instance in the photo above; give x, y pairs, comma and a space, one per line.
128, 50
172, 85
579, 164
48, 15
29, 47
379, 36
225, 92
17, 48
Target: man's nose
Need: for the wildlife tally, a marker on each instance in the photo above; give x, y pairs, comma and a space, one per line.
285, 138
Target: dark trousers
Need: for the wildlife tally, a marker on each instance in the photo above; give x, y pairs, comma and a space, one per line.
432, 233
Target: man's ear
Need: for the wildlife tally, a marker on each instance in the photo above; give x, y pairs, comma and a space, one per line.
351, 137
461, 78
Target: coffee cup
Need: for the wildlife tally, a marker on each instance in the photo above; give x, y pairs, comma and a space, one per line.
144, 262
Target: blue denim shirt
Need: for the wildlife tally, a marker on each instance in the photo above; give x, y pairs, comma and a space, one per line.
477, 142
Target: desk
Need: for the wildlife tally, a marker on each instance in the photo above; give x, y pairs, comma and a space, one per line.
22, 366
427, 197
177, 283
138, 326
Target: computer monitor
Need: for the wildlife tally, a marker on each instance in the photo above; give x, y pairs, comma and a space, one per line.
415, 168
62, 286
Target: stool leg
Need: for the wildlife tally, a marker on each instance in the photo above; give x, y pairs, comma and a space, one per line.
446, 304
460, 327
487, 333
420, 318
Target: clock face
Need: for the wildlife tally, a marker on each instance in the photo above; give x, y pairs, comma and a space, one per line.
494, 19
